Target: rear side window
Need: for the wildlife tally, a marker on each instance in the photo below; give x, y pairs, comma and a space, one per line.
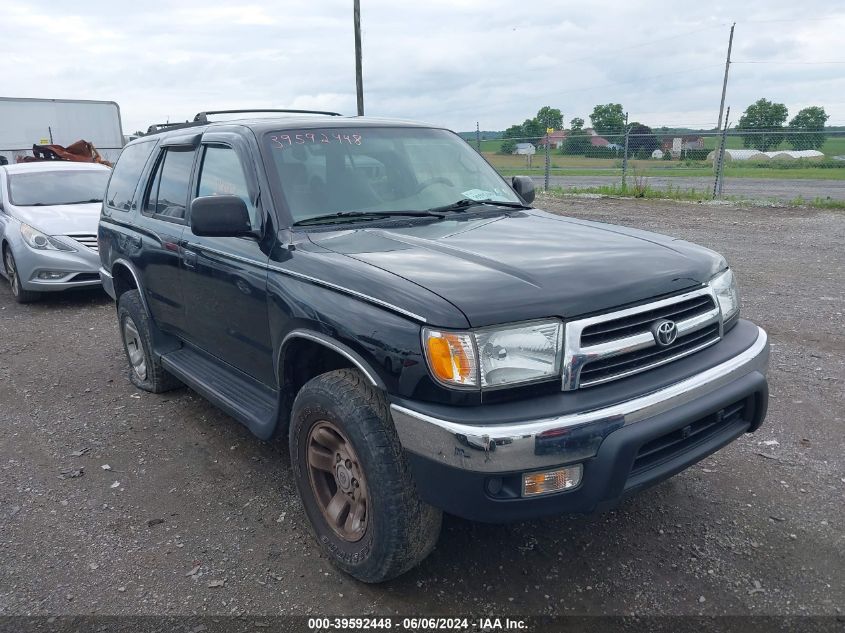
222, 175
168, 192
127, 172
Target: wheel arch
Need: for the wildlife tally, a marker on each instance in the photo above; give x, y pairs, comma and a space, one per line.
126, 278
323, 343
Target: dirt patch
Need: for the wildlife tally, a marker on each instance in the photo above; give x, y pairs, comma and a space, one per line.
193, 515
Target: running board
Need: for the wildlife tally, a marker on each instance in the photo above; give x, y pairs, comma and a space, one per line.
251, 403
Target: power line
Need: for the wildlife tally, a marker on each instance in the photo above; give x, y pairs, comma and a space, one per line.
786, 62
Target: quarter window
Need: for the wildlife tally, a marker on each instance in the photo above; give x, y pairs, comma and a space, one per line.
222, 174
168, 193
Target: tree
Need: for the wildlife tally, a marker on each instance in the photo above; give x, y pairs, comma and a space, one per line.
577, 141
641, 140
807, 128
549, 117
764, 119
508, 146
609, 121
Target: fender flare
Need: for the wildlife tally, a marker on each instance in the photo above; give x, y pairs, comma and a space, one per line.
336, 346
136, 277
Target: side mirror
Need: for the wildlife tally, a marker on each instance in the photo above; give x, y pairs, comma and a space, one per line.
524, 187
220, 216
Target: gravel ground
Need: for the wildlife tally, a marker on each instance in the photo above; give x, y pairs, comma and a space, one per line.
746, 188
178, 510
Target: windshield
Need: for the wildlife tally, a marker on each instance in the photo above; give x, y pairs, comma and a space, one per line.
379, 170
68, 186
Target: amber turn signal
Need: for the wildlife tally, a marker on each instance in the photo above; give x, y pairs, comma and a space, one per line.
549, 481
451, 357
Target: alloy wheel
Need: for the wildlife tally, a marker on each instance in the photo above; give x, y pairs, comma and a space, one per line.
12, 273
337, 480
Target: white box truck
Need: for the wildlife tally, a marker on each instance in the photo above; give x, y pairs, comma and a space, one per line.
28, 122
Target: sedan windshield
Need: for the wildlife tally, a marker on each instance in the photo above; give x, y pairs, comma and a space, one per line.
68, 186
380, 170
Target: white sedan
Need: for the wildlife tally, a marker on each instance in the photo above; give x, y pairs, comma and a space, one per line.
48, 225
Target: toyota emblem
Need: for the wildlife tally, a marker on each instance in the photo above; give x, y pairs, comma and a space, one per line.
665, 332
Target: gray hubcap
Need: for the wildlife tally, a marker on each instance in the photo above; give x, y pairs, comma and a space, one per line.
134, 348
12, 273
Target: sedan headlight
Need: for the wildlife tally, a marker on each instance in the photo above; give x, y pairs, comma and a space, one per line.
38, 240
724, 285
495, 357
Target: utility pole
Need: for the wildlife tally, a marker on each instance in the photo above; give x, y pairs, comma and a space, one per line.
477, 137
725, 80
625, 157
359, 80
719, 163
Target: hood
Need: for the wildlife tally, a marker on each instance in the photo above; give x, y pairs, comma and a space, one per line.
519, 265
61, 219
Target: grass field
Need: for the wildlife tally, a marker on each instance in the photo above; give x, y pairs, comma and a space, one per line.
834, 146
676, 193
510, 165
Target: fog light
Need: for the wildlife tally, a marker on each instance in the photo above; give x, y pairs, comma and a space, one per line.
51, 274
549, 481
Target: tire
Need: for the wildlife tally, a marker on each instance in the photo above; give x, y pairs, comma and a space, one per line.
145, 370
20, 295
342, 424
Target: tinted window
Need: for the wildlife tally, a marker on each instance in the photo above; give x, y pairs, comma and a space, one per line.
168, 193
126, 173
223, 175
58, 187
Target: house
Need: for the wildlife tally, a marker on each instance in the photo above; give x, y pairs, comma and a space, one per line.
556, 139
676, 145
598, 141
525, 149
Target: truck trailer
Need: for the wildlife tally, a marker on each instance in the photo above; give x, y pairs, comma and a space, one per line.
28, 122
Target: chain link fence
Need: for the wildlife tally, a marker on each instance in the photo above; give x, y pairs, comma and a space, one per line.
781, 166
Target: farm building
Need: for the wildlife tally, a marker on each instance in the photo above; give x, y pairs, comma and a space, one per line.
556, 139
525, 148
678, 144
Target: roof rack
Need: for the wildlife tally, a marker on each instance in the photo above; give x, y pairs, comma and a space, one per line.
163, 127
202, 117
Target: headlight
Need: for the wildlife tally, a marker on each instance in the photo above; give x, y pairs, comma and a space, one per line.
37, 240
495, 357
724, 285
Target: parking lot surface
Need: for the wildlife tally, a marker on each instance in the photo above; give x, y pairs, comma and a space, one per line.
116, 501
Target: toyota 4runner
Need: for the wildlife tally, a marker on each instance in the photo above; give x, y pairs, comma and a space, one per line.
424, 338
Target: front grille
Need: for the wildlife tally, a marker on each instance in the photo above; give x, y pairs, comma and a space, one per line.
611, 346
615, 367
89, 241
641, 322
671, 445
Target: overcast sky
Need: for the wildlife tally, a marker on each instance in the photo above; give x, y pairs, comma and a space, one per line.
449, 62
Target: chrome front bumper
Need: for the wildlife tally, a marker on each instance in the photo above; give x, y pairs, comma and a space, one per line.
514, 447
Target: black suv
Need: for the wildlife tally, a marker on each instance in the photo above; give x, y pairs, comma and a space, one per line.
426, 340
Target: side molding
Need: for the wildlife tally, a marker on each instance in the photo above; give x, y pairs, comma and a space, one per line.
335, 346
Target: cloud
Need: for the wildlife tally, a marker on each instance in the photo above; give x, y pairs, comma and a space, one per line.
450, 62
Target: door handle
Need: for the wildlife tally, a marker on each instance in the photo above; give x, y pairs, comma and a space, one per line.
190, 258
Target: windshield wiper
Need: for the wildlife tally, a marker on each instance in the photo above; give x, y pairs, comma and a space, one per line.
329, 218
465, 203
85, 201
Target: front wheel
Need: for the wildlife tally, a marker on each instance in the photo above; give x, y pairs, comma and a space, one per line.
18, 292
354, 481
145, 370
